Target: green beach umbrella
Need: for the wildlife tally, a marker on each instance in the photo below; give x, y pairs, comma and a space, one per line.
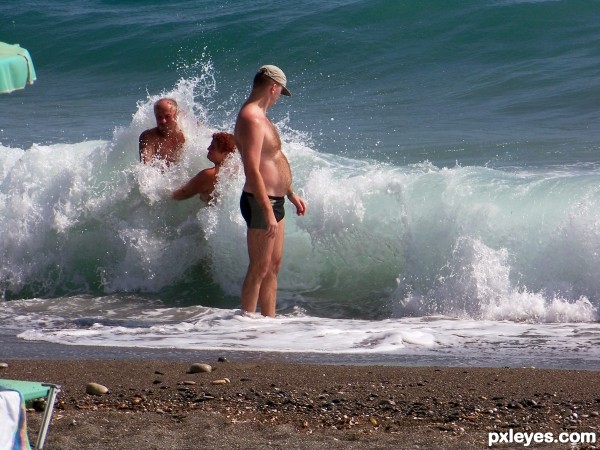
16, 68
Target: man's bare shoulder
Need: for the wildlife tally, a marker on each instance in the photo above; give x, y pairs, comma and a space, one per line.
249, 123
149, 134
251, 113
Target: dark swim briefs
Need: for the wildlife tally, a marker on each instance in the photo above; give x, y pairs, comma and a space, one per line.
252, 213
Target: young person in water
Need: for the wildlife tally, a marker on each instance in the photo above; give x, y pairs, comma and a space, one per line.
203, 183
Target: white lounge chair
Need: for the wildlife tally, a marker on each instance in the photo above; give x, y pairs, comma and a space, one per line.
31, 390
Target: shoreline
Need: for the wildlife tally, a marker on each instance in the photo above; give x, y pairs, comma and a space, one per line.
12, 347
159, 404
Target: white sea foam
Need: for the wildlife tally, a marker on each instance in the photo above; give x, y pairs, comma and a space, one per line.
125, 322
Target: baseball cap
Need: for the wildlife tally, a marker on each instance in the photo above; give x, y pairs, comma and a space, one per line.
277, 75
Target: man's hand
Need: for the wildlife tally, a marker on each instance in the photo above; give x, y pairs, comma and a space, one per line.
272, 225
298, 202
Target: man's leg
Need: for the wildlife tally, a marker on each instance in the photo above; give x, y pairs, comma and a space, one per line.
267, 296
260, 250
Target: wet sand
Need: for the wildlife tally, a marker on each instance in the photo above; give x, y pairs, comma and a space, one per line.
272, 404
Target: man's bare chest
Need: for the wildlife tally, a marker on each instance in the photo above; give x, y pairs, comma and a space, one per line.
272, 141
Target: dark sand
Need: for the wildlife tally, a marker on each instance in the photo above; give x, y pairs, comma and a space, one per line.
270, 404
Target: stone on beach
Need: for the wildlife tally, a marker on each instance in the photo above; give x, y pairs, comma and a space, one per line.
95, 389
200, 368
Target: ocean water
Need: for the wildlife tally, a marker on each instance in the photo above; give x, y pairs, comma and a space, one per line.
447, 152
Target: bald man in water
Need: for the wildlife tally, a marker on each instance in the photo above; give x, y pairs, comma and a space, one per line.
165, 141
268, 182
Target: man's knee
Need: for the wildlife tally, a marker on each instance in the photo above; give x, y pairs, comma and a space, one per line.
275, 266
261, 271
258, 271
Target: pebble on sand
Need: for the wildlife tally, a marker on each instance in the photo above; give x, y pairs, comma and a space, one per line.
95, 389
200, 367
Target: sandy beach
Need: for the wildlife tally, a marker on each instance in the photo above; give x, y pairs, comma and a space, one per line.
271, 404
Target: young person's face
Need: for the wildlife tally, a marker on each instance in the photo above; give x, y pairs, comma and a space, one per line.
215, 153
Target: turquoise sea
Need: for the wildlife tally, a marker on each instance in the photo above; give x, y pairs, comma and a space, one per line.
448, 152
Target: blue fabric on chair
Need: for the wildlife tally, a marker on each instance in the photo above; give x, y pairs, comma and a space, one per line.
16, 68
30, 390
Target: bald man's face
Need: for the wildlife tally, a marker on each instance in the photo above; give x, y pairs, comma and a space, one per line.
166, 117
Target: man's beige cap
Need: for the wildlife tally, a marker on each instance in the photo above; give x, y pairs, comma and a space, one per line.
277, 75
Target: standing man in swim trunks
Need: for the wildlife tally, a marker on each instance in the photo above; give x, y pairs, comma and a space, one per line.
268, 182
165, 141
